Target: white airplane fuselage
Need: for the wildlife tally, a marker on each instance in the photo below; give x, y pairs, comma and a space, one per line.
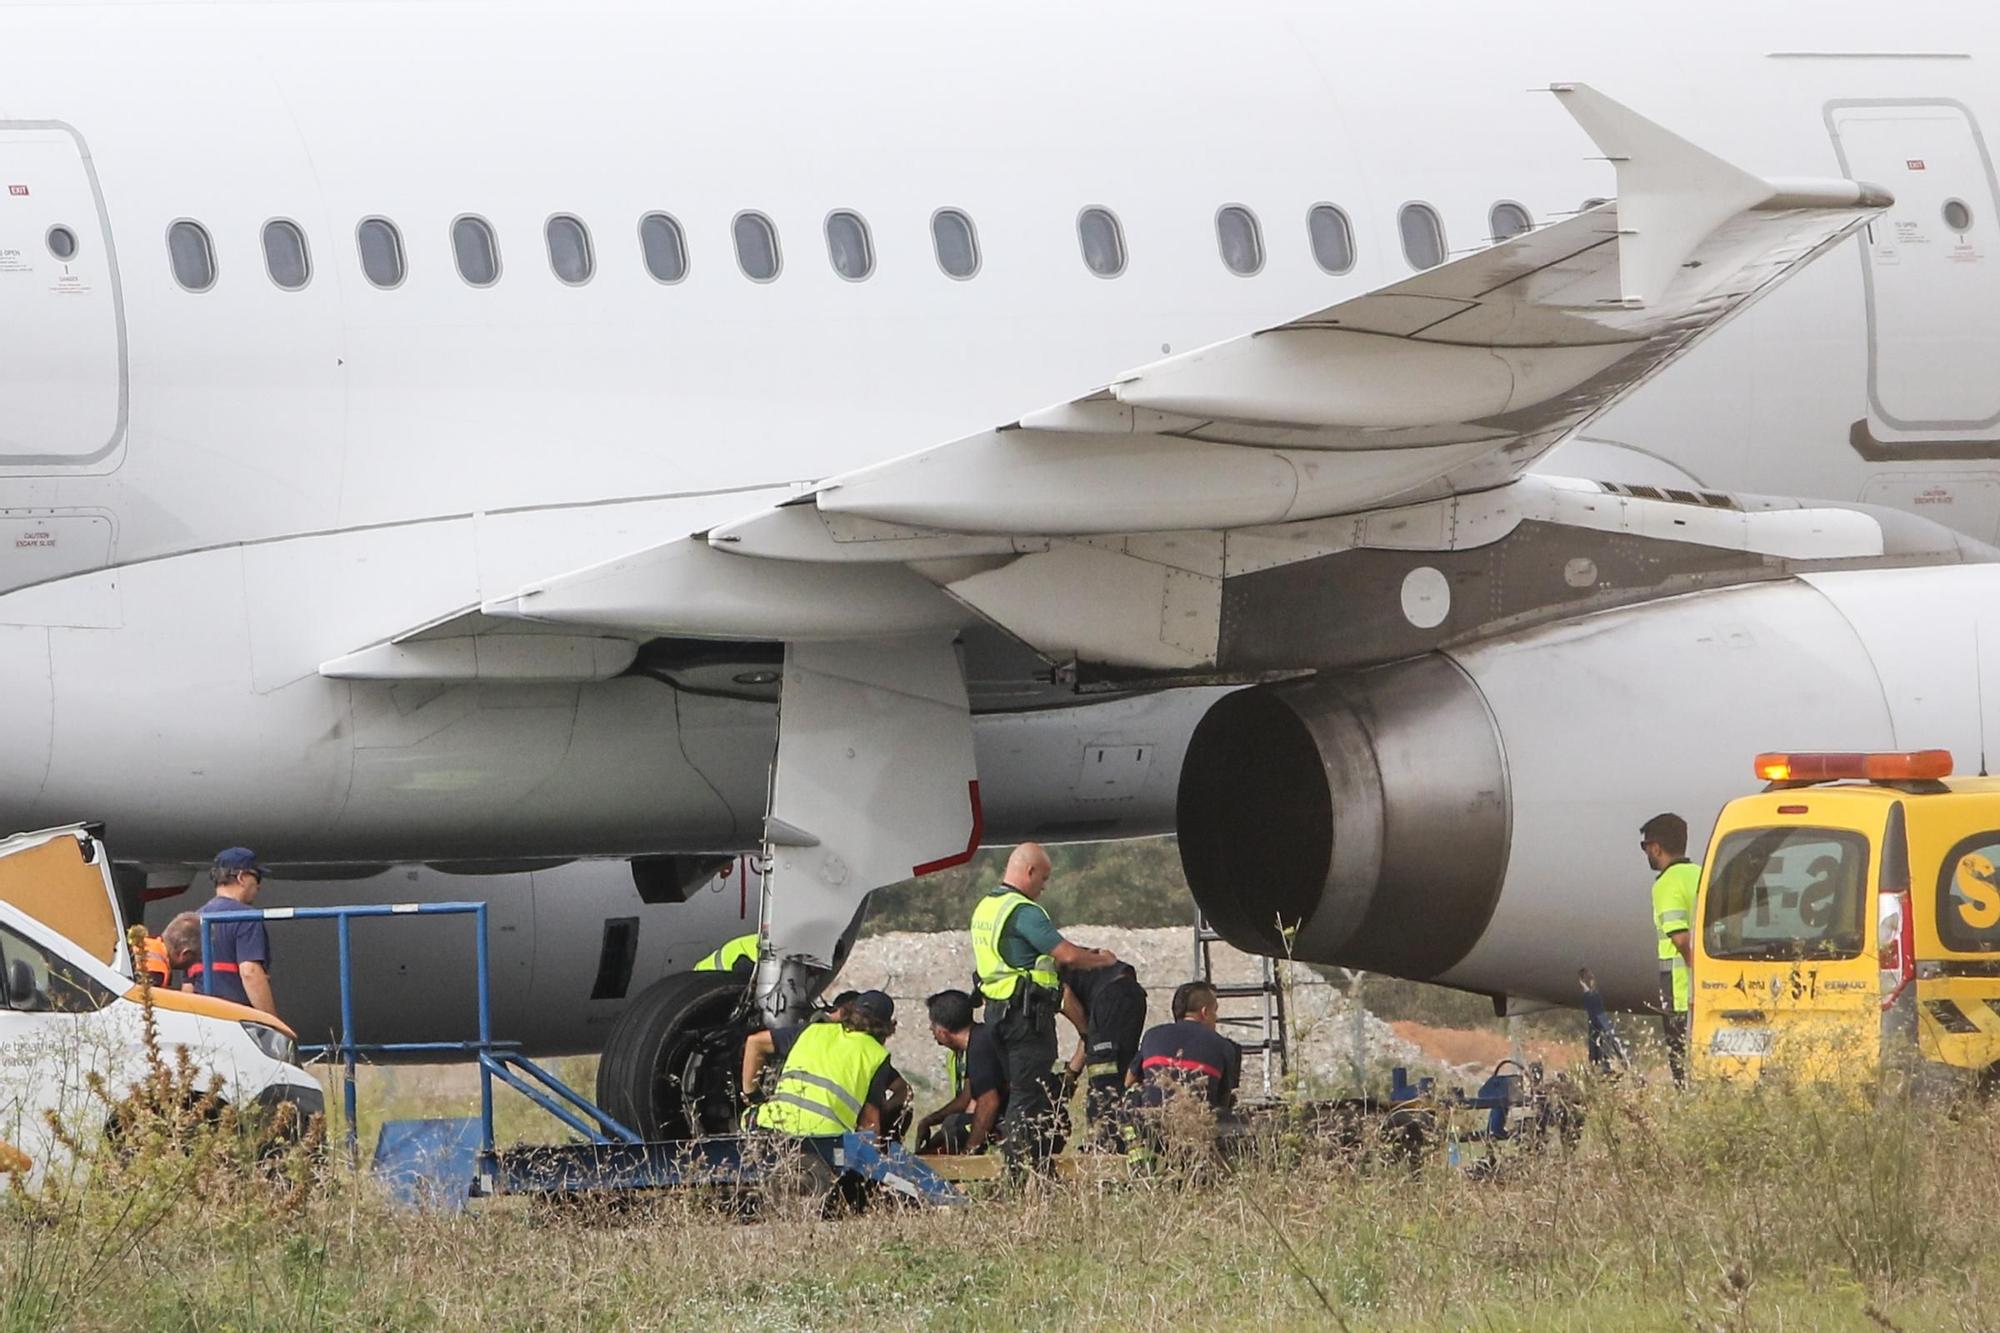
205, 494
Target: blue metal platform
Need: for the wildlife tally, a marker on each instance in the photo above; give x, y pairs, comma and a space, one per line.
426, 1161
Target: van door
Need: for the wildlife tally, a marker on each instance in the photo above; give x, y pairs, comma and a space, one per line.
1958, 960
1931, 274
1785, 980
62, 878
59, 1026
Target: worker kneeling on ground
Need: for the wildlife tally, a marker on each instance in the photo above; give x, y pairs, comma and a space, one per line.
966, 1123
738, 955
1185, 1061
836, 1076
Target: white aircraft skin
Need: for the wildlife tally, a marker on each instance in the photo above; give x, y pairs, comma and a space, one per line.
267, 479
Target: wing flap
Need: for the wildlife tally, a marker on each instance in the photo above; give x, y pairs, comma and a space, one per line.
1451, 379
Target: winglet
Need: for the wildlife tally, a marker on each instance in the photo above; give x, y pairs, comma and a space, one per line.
1671, 194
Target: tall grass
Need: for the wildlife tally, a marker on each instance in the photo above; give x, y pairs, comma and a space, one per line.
1712, 1210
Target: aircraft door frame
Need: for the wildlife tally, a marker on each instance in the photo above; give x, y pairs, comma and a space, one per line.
65, 381
1915, 266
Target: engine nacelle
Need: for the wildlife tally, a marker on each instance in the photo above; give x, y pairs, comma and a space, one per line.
1472, 816
1315, 815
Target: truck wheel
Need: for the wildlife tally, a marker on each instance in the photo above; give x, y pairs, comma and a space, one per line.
671, 1063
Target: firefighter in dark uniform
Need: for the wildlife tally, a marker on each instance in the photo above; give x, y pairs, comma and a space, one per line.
1112, 1005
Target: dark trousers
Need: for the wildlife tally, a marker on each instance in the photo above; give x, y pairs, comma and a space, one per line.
1115, 1023
1674, 1028
1024, 1028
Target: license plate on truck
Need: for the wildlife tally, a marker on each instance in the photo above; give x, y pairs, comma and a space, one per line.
1741, 1041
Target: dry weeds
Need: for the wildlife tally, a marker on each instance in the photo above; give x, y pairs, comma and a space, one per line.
1713, 1211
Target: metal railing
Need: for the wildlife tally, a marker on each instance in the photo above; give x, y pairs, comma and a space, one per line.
496, 1058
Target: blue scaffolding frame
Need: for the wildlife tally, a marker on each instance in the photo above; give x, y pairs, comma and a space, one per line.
612, 1156
496, 1059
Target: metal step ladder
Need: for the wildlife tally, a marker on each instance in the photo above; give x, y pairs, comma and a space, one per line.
1252, 1012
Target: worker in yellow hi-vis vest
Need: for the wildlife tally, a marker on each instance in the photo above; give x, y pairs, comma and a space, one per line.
1664, 840
1015, 952
738, 955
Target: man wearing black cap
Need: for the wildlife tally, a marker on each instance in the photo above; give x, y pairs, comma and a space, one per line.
239, 951
836, 1077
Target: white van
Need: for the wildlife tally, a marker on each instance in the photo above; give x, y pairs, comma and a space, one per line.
72, 1007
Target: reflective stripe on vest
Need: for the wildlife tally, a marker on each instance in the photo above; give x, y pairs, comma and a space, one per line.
726, 958
955, 1065
1673, 904
824, 1082
998, 977
154, 960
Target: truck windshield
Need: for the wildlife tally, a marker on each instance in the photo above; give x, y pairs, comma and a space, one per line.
1784, 893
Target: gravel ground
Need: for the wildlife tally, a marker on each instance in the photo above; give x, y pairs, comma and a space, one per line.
912, 966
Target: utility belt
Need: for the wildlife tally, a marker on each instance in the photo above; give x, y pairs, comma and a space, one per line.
1027, 998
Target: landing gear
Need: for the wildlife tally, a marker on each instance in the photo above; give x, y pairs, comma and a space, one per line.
671, 1064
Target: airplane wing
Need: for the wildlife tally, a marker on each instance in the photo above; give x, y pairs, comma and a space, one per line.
1455, 379
1140, 500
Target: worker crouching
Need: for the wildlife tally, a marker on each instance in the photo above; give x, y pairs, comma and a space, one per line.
836, 1079
1182, 1083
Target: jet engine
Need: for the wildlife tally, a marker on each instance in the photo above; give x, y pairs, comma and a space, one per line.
1471, 816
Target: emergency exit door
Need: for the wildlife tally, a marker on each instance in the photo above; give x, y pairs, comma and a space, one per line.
1931, 269
62, 323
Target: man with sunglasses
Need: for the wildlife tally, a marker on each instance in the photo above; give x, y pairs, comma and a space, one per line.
239, 951
1664, 840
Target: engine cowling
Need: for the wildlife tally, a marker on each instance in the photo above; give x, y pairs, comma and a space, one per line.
1471, 816
1313, 817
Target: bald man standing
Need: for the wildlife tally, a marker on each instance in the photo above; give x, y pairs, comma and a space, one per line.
1015, 952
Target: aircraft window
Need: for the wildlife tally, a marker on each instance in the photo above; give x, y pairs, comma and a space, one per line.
1240, 239
62, 242
1956, 216
286, 258
1509, 220
847, 245
956, 243
1423, 235
756, 246
664, 246
476, 250
1332, 237
192, 255
1103, 241
569, 249
381, 247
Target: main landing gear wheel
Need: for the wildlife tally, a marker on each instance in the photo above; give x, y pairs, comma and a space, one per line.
671, 1064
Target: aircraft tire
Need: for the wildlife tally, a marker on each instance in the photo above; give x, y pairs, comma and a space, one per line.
670, 1064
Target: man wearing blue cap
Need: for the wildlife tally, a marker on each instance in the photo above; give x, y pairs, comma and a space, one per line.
239, 951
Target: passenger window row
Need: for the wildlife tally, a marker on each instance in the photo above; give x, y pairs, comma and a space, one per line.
850, 246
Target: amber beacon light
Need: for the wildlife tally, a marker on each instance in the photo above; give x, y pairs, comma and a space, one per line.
1896, 766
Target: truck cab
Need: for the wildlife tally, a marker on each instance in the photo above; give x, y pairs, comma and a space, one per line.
1848, 925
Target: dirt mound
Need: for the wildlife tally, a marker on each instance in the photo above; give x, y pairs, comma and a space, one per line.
1479, 1048
913, 965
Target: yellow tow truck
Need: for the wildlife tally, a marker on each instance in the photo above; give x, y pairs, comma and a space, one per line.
1849, 926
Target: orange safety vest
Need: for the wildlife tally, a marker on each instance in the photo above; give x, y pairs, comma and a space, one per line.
154, 960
